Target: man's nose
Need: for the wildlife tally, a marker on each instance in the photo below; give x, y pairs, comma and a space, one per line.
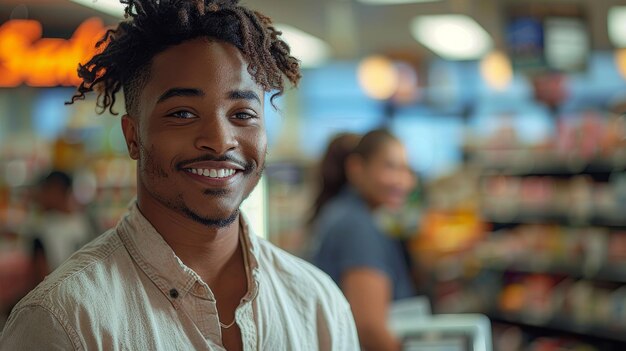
216, 135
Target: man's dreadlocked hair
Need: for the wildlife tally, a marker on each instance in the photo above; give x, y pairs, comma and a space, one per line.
151, 26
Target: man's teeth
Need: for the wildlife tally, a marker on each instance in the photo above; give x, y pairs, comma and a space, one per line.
212, 173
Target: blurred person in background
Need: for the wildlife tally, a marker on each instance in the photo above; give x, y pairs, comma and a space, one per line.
332, 172
56, 227
368, 265
183, 270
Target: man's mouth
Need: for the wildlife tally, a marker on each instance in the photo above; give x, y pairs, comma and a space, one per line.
212, 172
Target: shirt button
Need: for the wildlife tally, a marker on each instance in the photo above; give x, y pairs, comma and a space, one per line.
174, 293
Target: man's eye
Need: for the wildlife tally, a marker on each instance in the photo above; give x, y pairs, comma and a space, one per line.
243, 115
183, 114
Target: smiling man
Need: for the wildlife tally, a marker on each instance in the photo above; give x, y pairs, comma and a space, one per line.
182, 270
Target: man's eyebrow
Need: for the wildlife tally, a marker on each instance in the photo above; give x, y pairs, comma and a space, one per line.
179, 92
244, 95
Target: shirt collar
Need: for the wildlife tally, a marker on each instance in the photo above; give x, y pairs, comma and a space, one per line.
157, 259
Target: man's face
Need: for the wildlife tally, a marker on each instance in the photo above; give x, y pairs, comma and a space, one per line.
199, 138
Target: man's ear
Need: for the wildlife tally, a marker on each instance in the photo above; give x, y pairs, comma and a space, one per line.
130, 130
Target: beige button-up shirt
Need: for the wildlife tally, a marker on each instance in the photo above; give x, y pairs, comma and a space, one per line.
127, 290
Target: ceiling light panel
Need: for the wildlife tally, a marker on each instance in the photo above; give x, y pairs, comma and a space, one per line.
616, 23
110, 7
454, 37
394, 2
310, 50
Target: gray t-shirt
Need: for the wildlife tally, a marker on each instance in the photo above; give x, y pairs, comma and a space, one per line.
347, 238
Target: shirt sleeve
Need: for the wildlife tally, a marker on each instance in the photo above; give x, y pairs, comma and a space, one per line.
335, 323
34, 328
357, 244
348, 338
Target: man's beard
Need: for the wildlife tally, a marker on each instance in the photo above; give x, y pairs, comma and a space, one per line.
211, 222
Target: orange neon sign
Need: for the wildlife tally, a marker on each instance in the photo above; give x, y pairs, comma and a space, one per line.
26, 58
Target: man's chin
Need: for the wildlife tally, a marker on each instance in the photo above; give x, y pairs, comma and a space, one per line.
213, 222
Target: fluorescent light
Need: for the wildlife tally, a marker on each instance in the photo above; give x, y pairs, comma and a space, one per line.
110, 7
394, 2
566, 43
617, 26
455, 37
310, 50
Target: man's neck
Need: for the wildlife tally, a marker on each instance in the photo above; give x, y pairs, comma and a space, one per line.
206, 250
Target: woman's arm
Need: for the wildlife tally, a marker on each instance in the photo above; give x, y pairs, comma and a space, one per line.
369, 292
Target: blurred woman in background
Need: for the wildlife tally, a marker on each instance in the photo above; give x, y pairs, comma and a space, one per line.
332, 176
367, 265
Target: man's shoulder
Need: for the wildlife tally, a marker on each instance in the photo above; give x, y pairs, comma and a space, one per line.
303, 296
288, 263
296, 273
84, 270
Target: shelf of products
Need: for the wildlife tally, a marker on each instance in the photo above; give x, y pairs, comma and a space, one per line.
511, 334
103, 185
554, 304
581, 252
581, 307
561, 325
603, 274
574, 200
551, 262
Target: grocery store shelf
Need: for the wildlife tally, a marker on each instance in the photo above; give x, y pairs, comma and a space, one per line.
531, 164
538, 217
555, 169
609, 274
561, 324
